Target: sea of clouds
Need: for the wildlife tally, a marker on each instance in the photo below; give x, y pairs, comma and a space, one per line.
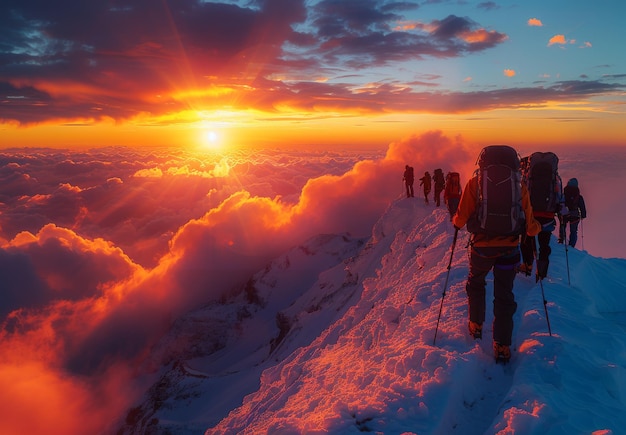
101, 250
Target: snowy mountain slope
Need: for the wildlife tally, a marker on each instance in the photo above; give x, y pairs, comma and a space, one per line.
347, 347
215, 355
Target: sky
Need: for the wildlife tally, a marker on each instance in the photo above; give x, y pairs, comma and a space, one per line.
302, 73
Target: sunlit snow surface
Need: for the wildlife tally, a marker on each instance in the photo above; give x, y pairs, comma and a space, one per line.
355, 352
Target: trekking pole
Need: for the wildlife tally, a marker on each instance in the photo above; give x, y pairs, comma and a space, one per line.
443, 295
543, 295
545, 306
566, 260
582, 233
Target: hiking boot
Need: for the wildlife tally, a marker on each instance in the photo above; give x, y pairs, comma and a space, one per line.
525, 269
501, 352
475, 330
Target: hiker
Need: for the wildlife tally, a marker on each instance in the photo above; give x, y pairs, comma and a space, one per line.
452, 192
494, 243
425, 181
408, 180
440, 183
541, 177
573, 212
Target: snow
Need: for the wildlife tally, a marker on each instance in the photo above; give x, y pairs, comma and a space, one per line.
336, 337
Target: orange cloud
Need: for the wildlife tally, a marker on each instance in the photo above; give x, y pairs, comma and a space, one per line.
560, 40
480, 35
509, 73
535, 22
37, 398
71, 357
149, 173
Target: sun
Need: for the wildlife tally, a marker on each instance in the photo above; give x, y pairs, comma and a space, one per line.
211, 136
211, 140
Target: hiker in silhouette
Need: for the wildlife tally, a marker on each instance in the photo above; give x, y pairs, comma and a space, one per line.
408, 178
572, 213
440, 183
426, 182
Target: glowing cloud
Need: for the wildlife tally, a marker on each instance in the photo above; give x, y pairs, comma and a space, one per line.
560, 40
509, 73
535, 22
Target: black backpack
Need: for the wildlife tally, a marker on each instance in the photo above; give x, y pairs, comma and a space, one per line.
541, 176
499, 209
572, 196
439, 179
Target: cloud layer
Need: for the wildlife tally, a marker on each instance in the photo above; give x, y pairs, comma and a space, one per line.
102, 251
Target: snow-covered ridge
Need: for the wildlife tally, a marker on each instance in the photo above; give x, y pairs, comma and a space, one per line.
336, 336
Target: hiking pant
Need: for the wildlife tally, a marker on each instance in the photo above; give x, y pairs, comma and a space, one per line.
503, 261
453, 204
543, 259
573, 231
409, 189
528, 248
438, 196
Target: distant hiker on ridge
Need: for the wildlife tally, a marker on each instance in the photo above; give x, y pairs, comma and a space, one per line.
425, 181
452, 192
408, 180
541, 176
495, 222
573, 212
440, 183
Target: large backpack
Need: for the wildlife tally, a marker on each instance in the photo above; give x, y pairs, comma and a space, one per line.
439, 179
541, 176
408, 174
499, 209
571, 194
453, 185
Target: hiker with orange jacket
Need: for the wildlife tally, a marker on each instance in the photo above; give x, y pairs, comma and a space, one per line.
498, 252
